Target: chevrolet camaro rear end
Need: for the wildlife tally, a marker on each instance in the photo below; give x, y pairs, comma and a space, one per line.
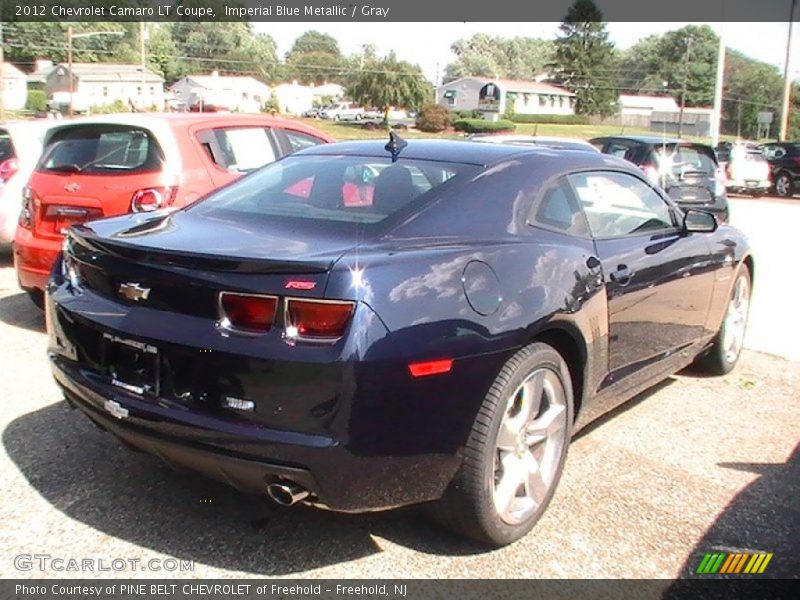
361, 326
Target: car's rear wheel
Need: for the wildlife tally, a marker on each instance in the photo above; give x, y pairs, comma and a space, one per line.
783, 185
724, 353
515, 452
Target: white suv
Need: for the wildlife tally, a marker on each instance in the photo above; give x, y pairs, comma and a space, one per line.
343, 111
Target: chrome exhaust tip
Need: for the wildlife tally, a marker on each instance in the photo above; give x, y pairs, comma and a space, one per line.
286, 494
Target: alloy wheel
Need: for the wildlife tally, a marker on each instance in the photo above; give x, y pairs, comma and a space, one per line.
529, 446
736, 320
782, 185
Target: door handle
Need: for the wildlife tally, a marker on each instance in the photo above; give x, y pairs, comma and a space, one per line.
622, 275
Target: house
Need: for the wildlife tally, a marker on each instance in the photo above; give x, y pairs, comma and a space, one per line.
38, 78
101, 84
235, 93
15, 87
694, 121
293, 98
499, 96
633, 105
327, 92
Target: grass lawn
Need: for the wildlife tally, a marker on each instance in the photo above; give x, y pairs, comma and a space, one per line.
351, 131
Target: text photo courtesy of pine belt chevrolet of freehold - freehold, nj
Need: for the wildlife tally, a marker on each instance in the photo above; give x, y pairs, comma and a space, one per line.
391, 300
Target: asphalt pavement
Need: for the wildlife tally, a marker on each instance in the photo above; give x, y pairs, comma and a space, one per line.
694, 465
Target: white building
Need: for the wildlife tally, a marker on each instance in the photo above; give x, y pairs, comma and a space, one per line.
632, 105
293, 98
235, 93
497, 96
101, 84
327, 92
15, 87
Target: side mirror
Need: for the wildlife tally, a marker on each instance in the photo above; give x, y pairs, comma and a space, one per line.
699, 221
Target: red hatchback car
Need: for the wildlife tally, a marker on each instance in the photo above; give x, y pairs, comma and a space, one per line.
105, 166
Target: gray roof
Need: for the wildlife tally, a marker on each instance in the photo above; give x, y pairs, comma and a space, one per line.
110, 72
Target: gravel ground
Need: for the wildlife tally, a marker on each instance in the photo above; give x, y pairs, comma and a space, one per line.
694, 465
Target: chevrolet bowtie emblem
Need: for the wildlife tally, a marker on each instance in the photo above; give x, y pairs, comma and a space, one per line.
133, 291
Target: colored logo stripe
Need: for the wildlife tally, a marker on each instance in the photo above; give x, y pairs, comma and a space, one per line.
723, 562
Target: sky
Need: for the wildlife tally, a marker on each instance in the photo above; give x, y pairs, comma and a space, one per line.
428, 44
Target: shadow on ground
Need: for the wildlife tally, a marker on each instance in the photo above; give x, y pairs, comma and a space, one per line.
88, 476
19, 311
763, 517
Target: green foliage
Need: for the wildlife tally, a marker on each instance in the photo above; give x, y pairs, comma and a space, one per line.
433, 118
118, 106
36, 101
467, 114
484, 55
585, 59
551, 119
482, 126
389, 82
314, 41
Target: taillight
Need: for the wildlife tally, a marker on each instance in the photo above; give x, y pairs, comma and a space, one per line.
8, 168
431, 367
27, 212
317, 320
249, 313
150, 199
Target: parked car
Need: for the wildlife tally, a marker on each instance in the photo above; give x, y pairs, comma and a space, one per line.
20, 148
115, 164
746, 169
368, 357
784, 163
562, 143
687, 171
343, 111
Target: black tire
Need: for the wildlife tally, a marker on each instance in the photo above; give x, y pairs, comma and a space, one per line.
783, 185
467, 506
37, 297
717, 361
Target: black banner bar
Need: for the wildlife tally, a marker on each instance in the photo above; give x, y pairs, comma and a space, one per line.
390, 10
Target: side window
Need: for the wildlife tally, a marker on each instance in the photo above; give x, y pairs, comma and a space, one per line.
301, 141
558, 209
618, 204
622, 150
240, 149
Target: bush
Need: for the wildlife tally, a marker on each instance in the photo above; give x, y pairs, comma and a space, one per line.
554, 119
433, 118
466, 114
118, 106
36, 101
481, 126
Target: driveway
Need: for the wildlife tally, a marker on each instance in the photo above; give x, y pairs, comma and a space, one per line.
694, 465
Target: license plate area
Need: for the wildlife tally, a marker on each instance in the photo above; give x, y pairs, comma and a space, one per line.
131, 365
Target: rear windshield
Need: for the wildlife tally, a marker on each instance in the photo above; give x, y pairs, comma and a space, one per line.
680, 159
6, 147
354, 189
106, 149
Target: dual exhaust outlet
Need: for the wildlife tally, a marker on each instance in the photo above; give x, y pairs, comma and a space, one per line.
287, 493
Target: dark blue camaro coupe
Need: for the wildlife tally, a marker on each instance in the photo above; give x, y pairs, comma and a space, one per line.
362, 326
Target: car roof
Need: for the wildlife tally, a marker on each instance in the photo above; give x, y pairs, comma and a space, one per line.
452, 151
535, 139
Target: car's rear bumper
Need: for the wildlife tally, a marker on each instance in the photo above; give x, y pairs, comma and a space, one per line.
34, 258
360, 435
745, 185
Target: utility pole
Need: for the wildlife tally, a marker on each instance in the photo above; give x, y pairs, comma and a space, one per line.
716, 123
143, 60
685, 78
69, 62
787, 81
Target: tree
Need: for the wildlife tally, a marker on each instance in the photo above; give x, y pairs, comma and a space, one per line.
493, 56
585, 59
314, 58
314, 41
388, 82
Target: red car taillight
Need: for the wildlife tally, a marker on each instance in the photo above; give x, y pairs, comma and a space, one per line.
253, 313
28, 209
324, 320
149, 199
8, 168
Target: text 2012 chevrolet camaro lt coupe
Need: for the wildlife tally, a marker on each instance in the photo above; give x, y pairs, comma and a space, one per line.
362, 326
